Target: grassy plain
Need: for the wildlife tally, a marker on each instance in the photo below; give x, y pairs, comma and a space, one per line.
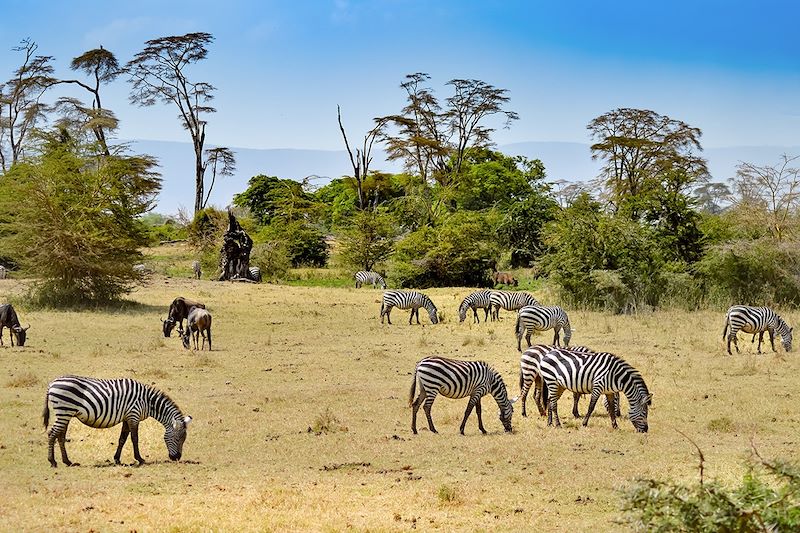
301, 419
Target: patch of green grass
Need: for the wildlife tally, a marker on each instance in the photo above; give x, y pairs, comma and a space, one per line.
448, 495
721, 425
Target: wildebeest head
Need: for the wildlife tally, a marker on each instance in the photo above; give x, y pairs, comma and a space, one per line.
20, 333
168, 325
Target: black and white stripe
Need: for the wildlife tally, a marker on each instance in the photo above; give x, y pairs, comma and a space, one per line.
407, 300
103, 403
756, 320
3, 272
458, 379
510, 301
476, 300
254, 273
598, 374
368, 276
529, 375
541, 318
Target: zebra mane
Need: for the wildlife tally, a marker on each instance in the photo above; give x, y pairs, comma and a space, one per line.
633, 376
783, 327
162, 402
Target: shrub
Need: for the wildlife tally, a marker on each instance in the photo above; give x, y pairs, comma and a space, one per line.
272, 258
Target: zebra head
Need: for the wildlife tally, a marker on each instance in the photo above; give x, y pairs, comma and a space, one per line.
175, 436
433, 314
786, 338
462, 311
168, 325
638, 412
505, 415
21, 334
185, 334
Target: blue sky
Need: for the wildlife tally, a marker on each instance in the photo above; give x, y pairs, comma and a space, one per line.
730, 68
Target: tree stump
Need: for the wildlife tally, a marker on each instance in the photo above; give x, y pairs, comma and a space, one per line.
234, 260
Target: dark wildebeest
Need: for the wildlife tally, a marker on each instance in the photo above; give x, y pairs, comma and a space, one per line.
9, 319
197, 323
179, 310
504, 278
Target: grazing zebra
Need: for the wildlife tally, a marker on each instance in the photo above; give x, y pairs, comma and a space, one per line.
368, 276
458, 379
756, 320
595, 373
3, 272
529, 375
407, 300
476, 300
540, 318
197, 270
103, 403
254, 273
510, 301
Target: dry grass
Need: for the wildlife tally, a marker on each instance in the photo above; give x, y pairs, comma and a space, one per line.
288, 358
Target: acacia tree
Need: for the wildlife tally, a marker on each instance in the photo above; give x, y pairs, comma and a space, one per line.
223, 162
102, 66
644, 151
362, 158
20, 105
158, 73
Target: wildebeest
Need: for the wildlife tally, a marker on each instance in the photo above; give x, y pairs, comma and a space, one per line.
197, 323
9, 319
179, 309
504, 278
196, 268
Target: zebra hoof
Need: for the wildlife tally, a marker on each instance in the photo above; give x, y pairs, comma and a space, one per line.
73, 464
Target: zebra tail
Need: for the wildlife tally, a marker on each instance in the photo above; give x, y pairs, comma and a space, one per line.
46, 413
516, 328
413, 390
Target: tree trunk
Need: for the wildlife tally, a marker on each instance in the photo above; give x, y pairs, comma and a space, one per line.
234, 260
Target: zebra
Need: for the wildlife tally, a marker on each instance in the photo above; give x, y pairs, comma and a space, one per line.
197, 269
458, 379
476, 300
407, 300
368, 276
756, 320
541, 318
3, 272
103, 403
529, 375
595, 373
510, 300
254, 273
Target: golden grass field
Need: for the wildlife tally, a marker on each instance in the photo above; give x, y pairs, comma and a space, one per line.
289, 360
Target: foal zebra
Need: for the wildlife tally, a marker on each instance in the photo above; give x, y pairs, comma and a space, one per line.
407, 300
540, 318
756, 320
368, 276
510, 301
595, 373
103, 403
476, 300
458, 379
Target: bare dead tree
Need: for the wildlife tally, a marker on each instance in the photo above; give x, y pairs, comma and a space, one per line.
770, 195
362, 158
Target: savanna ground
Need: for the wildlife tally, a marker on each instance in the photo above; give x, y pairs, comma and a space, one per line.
301, 419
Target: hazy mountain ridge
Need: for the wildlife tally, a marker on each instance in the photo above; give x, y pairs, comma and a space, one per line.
562, 160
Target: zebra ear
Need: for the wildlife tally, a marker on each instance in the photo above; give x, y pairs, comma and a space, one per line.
187, 419
514, 399
647, 400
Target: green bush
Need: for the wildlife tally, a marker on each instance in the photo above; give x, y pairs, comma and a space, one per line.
767, 499
273, 259
303, 242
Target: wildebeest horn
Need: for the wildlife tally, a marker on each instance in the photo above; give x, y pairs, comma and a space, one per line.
26, 329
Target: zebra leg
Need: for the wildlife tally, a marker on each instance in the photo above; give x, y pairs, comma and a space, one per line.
62, 444
475, 316
595, 396
611, 405
470, 405
486, 314
480, 420
537, 395
427, 408
771, 339
134, 427
576, 396
414, 408
1, 334
556, 337
523, 393
416, 312
123, 437
552, 411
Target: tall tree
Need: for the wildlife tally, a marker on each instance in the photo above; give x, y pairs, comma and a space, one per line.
102, 67
158, 73
223, 162
20, 101
361, 160
644, 151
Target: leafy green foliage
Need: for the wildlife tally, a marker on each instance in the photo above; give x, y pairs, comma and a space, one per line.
459, 252
269, 197
71, 216
767, 499
272, 258
303, 242
369, 240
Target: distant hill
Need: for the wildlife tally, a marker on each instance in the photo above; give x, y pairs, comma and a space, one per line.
562, 160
